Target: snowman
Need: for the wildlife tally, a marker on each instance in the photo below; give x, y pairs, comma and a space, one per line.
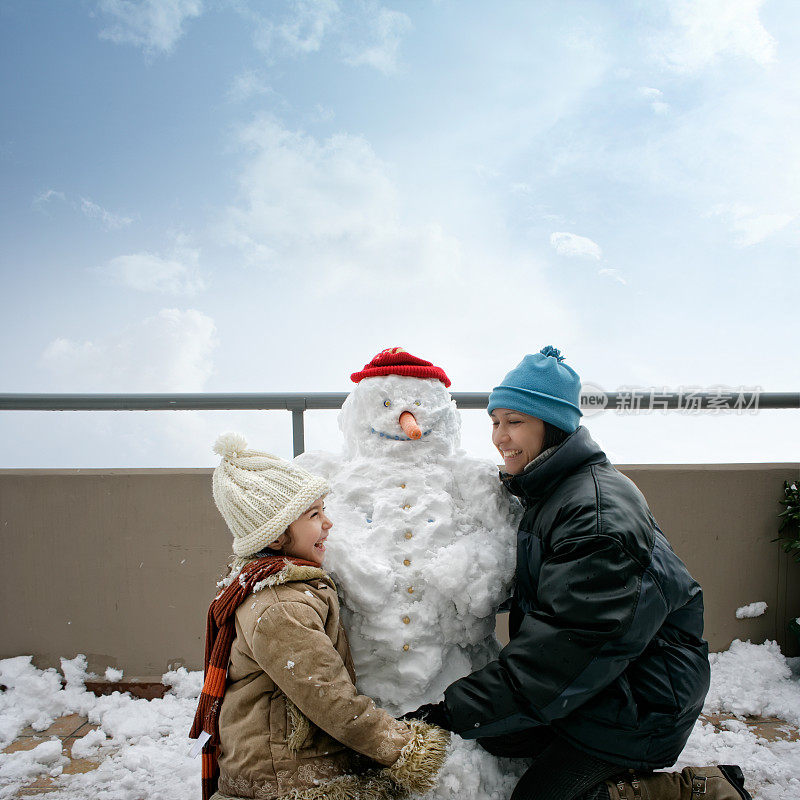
422, 551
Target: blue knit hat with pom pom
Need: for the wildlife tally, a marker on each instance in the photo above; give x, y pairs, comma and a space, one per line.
544, 387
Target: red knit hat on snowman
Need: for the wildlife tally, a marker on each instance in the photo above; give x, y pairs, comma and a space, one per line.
396, 361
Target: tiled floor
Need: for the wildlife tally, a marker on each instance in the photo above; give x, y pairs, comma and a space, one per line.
772, 729
73, 727
68, 729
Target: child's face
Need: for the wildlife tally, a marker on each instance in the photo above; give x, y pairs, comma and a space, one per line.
307, 535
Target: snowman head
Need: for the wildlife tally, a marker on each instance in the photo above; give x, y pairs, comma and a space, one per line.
400, 415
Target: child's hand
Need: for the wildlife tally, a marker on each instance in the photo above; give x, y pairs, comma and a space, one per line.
432, 713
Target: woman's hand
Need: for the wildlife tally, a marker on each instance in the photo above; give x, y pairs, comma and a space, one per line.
432, 713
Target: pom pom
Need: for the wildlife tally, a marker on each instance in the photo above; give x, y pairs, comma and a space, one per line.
230, 445
549, 350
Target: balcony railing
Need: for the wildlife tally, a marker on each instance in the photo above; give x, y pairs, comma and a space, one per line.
297, 403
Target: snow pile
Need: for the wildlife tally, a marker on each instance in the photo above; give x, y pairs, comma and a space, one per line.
753, 610
750, 680
141, 744
184, 684
89, 746
24, 766
470, 771
753, 680
32, 698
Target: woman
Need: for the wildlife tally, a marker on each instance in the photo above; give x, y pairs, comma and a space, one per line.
606, 670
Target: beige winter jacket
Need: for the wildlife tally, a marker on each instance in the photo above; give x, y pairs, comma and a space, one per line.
292, 724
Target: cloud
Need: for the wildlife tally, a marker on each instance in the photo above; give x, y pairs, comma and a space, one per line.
749, 225
650, 93
331, 235
727, 149
655, 97
248, 84
109, 220
153, 25
385, 30
169, 352
48, 196
329, 208
570, 244
175, 274
705, 30
298, 27
321, 113
87, 207
614, 274
305, 29
365, 33
734, 155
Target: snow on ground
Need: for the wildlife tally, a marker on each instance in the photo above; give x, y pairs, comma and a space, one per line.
751, 680
143, 744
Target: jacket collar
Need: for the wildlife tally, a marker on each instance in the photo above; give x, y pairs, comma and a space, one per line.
294, 572
550, 467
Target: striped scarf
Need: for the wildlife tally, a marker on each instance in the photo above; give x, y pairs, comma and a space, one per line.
220, 633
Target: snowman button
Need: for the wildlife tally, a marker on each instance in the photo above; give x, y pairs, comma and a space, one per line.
402, 486
406, 562
406, 620
405, 647
409, 534
410, 590
406, 506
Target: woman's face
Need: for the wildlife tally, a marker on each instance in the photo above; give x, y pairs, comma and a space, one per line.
518, 437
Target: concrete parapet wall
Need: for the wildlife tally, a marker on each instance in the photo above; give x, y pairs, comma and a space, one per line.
121, 564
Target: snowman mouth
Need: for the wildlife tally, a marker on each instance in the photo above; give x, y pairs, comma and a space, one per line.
397, 437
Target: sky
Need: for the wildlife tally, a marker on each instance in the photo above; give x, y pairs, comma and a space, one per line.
243, 196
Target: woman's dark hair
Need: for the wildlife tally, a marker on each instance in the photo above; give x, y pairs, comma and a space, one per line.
552, 436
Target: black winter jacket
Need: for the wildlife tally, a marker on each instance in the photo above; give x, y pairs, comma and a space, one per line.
606, 622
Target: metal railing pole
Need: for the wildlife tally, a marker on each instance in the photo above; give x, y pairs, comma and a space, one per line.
330, 400
298, 433
297, 403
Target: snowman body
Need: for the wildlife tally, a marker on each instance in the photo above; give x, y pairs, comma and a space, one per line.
422, 551
419, 581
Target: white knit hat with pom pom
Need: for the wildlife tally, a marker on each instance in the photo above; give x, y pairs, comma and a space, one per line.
259, 494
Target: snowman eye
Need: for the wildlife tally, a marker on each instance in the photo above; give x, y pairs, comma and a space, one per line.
387, 403
416, 402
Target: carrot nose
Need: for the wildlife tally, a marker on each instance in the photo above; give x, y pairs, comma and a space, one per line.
409, 425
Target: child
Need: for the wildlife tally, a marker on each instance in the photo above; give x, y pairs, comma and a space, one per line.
279, 709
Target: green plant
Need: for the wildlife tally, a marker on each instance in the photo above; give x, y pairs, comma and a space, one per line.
790, 519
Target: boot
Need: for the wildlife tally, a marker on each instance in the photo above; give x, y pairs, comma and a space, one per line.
724, 782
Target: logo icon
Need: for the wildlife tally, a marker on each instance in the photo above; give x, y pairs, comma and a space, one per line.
593, 399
